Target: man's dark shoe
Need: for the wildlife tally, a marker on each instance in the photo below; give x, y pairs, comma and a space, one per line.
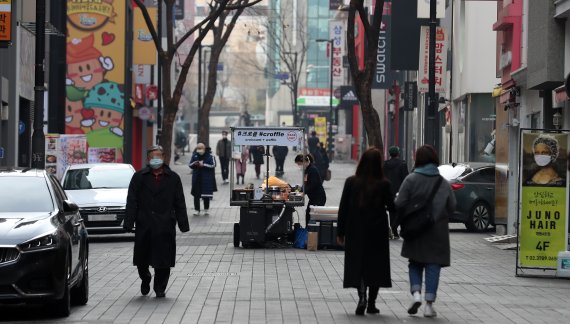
145, 286
371, 309
160, 294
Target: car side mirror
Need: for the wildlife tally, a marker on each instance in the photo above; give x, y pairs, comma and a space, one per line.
69, 206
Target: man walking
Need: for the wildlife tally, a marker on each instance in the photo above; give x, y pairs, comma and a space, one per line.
155, 203
280, 154
395, 170
313, 143
224, 151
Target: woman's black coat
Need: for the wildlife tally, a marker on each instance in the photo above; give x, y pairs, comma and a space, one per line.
155, 209
314, 186
365, 230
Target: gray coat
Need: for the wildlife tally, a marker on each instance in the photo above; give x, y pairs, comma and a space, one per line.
433, 246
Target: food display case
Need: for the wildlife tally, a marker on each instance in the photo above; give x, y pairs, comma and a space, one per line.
267, 204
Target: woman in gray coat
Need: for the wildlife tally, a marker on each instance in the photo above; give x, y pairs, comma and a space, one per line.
429, 252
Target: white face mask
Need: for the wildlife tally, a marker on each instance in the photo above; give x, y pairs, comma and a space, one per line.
201, 152
542, 160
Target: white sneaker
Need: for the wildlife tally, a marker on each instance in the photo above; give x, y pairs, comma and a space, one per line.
197, 213
416, 303
206, 213
429, 311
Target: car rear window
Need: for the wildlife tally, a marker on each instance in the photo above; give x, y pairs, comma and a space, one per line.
25, 194
79, 179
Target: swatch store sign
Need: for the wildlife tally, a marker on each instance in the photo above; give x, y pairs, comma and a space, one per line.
383, 77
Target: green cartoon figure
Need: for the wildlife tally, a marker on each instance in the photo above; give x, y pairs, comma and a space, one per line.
106, 100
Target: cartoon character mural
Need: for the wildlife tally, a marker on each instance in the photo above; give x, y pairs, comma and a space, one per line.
95, 100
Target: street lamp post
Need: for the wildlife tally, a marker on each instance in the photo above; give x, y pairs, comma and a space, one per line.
331, 112
200, 84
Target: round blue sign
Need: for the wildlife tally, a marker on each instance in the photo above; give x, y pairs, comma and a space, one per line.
21, 127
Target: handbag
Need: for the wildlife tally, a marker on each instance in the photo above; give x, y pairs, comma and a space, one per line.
328, 175
416, 222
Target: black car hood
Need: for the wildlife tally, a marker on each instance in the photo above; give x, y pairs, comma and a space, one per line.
16, 228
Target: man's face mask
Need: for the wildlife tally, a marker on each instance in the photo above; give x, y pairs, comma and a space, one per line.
155, 163
201, 151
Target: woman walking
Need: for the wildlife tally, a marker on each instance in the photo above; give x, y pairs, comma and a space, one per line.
363, 230
258, 152
430, 251
241, 164
312, 186
203, 167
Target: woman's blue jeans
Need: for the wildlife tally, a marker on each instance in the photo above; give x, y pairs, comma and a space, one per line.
432, 271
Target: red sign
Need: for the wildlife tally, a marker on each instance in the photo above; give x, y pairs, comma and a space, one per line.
314, 92
152, 92
6, 21
139, 93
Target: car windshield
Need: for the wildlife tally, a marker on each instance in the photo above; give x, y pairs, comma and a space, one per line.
24, 194
79, 179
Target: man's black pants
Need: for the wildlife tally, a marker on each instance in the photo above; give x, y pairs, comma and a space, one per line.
225, 165
161, 276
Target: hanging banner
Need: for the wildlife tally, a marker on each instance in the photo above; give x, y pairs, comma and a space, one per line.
543, 198
95, 99
321, 129
144, 50
337, 32
5, 23
440, 60
285, 136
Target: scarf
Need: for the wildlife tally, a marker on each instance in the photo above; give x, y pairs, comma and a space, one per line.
428, 169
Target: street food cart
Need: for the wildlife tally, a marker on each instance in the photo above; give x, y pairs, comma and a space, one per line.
267, 205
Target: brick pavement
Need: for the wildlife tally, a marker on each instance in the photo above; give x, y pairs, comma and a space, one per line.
213, 282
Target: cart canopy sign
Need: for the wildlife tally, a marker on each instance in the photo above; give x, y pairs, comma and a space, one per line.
283, 136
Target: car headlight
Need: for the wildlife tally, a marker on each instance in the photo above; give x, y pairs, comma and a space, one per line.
44, 242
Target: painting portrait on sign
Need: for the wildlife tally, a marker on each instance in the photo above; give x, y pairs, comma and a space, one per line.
544, 160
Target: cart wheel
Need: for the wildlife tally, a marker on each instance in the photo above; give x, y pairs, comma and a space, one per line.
236, 234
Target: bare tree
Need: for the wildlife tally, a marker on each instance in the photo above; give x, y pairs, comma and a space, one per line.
289, 44
171, 95
362, 79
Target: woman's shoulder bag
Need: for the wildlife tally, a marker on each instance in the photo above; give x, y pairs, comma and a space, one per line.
419, 220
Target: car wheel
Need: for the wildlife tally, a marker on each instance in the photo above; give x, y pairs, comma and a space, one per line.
62, 307
479, 217
236, 234
80, 293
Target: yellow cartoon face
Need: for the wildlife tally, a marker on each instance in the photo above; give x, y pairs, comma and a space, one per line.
106, 118
73, 113
86, 74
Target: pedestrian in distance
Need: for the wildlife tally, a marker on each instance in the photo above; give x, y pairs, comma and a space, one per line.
181, 140
396, 170
312, 185
430, 251
203, 165
322, 161
224, 152
241, 164
280, 154
257, 152
313, 143
363, 230
155, 204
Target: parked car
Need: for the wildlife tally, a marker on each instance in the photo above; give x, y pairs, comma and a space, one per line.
100, 190
44, 249
474, 186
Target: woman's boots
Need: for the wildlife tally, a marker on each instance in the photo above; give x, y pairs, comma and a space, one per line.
361, 306
364, 304
372, 294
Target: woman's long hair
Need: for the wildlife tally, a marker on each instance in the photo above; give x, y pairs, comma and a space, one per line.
369, 175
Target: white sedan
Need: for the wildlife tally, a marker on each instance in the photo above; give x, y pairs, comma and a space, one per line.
100, 191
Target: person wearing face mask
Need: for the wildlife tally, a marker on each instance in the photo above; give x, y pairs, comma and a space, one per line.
155, 204
312, 186
545, 152
224, 152
203, 167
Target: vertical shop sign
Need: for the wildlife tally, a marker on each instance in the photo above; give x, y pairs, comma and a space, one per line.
5, 23
337, 33
543, 198
410, 95
96, 72
321, 128
383, 78
440, 60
